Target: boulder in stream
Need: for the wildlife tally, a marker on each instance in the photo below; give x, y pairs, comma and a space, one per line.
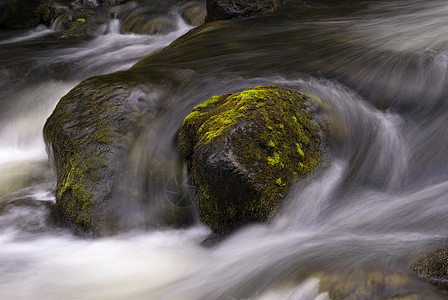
86, 136
245, 150
93, 138
83, 23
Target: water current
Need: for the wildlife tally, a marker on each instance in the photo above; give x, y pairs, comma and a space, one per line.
380, 200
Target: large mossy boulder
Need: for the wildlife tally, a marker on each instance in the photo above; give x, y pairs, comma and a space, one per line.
244, 151
433, 267
227, 9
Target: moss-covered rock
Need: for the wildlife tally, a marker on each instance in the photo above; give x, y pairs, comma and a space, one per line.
106, 180
83, 23
80, 29
245, 150
433, 267
227, 9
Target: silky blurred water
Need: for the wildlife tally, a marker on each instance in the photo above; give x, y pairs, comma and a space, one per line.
378, 67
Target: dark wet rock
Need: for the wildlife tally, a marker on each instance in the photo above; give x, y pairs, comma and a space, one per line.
15, 14
212, 240
433, 267
245, 150
81, 30
227, 9
70, 17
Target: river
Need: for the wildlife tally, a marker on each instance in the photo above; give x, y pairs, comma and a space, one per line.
380, 200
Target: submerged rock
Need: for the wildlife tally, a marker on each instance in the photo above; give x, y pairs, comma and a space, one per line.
245, 150
374, 284
227, 9
433, 267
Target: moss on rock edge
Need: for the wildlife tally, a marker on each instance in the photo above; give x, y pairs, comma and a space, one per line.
245, 150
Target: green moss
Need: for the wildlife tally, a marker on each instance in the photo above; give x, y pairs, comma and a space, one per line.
190, 116
279, 182
299, 150
76, 199
242, 109
75, 194
211, 103
81, 21
274, 160
103, 134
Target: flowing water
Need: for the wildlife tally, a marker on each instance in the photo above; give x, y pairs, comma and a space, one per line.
380, 200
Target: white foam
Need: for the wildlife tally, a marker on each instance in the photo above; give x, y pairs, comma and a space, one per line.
33, 34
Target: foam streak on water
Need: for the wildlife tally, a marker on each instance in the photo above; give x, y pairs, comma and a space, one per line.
39, 32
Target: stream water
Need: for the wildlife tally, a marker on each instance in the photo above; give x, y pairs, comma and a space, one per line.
380, 200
